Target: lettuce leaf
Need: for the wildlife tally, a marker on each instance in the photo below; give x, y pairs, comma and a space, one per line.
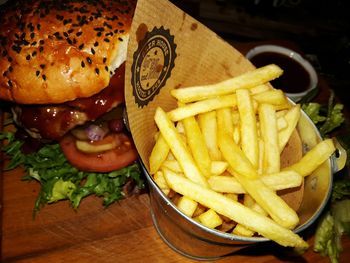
326, 117
61, 181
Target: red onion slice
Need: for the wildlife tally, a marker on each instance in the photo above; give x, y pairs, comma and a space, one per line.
95, 132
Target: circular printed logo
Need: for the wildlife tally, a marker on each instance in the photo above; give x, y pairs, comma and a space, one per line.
152, 64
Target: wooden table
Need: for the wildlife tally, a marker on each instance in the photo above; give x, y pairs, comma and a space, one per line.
123, 232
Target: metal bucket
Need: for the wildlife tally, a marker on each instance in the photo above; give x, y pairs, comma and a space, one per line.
189, 238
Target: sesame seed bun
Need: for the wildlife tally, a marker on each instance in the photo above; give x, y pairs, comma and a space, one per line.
57, 51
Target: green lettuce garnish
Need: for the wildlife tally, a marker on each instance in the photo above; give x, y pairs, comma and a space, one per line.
335, 222
61, 181
326, 117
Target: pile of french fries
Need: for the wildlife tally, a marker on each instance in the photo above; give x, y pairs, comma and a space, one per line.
217, 156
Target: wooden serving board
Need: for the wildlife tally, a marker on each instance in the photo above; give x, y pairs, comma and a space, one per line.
123, 232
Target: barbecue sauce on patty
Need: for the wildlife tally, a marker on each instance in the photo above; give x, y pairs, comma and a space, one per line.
53, 121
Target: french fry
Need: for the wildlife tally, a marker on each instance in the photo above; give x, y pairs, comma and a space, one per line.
237, 134
187, 205
313, 158
172, 165
159, 153
210, 219
278, 181
248, 202
306, 131
203, 106
235, 117
272, 96
234, 210
178, 148
281, 123
208, 124
267, 198
225, 121
291, 117
225, 184
259, 89
197, 145
247, 80
241, 230
230, 150
249, 134
218, 167
160, 181
269, 132
232, 196
199, 210
261, 155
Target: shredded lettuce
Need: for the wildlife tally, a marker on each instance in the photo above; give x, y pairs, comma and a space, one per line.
61, 181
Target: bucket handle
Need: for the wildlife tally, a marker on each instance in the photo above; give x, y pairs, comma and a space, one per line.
339, 158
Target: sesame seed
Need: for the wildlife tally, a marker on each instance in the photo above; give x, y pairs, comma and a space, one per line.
17, 49
92, 51
104, 60
59, 17
37, 73
97, 71
96, 44
81, 46
28, 57
99, 29
42, 66
82, 64
79, 33
44, 77
106, 40
89, 60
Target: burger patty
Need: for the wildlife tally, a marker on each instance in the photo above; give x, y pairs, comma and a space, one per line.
53, 121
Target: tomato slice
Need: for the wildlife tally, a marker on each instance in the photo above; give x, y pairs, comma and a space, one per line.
107, 161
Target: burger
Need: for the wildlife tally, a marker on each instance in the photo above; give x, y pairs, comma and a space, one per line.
62, 66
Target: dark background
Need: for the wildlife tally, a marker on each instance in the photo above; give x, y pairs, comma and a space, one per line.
321, 28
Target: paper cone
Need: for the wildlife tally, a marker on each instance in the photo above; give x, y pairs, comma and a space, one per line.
169, 49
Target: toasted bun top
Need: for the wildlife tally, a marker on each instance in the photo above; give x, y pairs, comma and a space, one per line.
57, 51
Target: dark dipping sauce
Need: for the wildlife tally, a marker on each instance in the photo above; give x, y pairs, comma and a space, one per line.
294, 79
